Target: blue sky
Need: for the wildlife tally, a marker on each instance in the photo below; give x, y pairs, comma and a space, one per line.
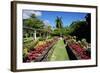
49, 16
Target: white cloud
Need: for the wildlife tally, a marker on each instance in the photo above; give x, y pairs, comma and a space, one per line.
28, 13
37, 13
46, 22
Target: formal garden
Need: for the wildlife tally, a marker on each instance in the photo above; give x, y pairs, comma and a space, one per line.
42, 42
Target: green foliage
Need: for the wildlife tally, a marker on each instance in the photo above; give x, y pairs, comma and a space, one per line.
47, 28
81, 29
25, 52
30, 45
59, 32
59, 23
77, 25
42, 39
28, 39
49, 37
56, 32
33, 22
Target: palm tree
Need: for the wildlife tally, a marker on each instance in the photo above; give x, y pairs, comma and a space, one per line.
59, 24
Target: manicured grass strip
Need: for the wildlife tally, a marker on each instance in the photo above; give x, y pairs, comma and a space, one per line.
59, 53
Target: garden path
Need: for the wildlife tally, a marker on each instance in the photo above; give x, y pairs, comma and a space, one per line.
59, 53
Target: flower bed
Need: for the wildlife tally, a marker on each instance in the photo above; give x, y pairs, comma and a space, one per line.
80, 51
40, 50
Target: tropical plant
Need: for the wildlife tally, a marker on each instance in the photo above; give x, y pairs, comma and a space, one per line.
59, 23
33, 23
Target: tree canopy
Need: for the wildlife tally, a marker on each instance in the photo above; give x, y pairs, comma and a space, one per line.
33, 22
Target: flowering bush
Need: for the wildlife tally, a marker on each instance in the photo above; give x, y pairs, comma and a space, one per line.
80, 51
38, 50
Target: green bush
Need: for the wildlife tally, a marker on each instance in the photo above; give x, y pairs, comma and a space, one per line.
42, 39
30, 45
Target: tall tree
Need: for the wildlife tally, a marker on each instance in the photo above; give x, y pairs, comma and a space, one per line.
82, 29
59, 23
33, 22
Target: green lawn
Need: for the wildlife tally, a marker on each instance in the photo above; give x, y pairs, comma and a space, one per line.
59, 53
